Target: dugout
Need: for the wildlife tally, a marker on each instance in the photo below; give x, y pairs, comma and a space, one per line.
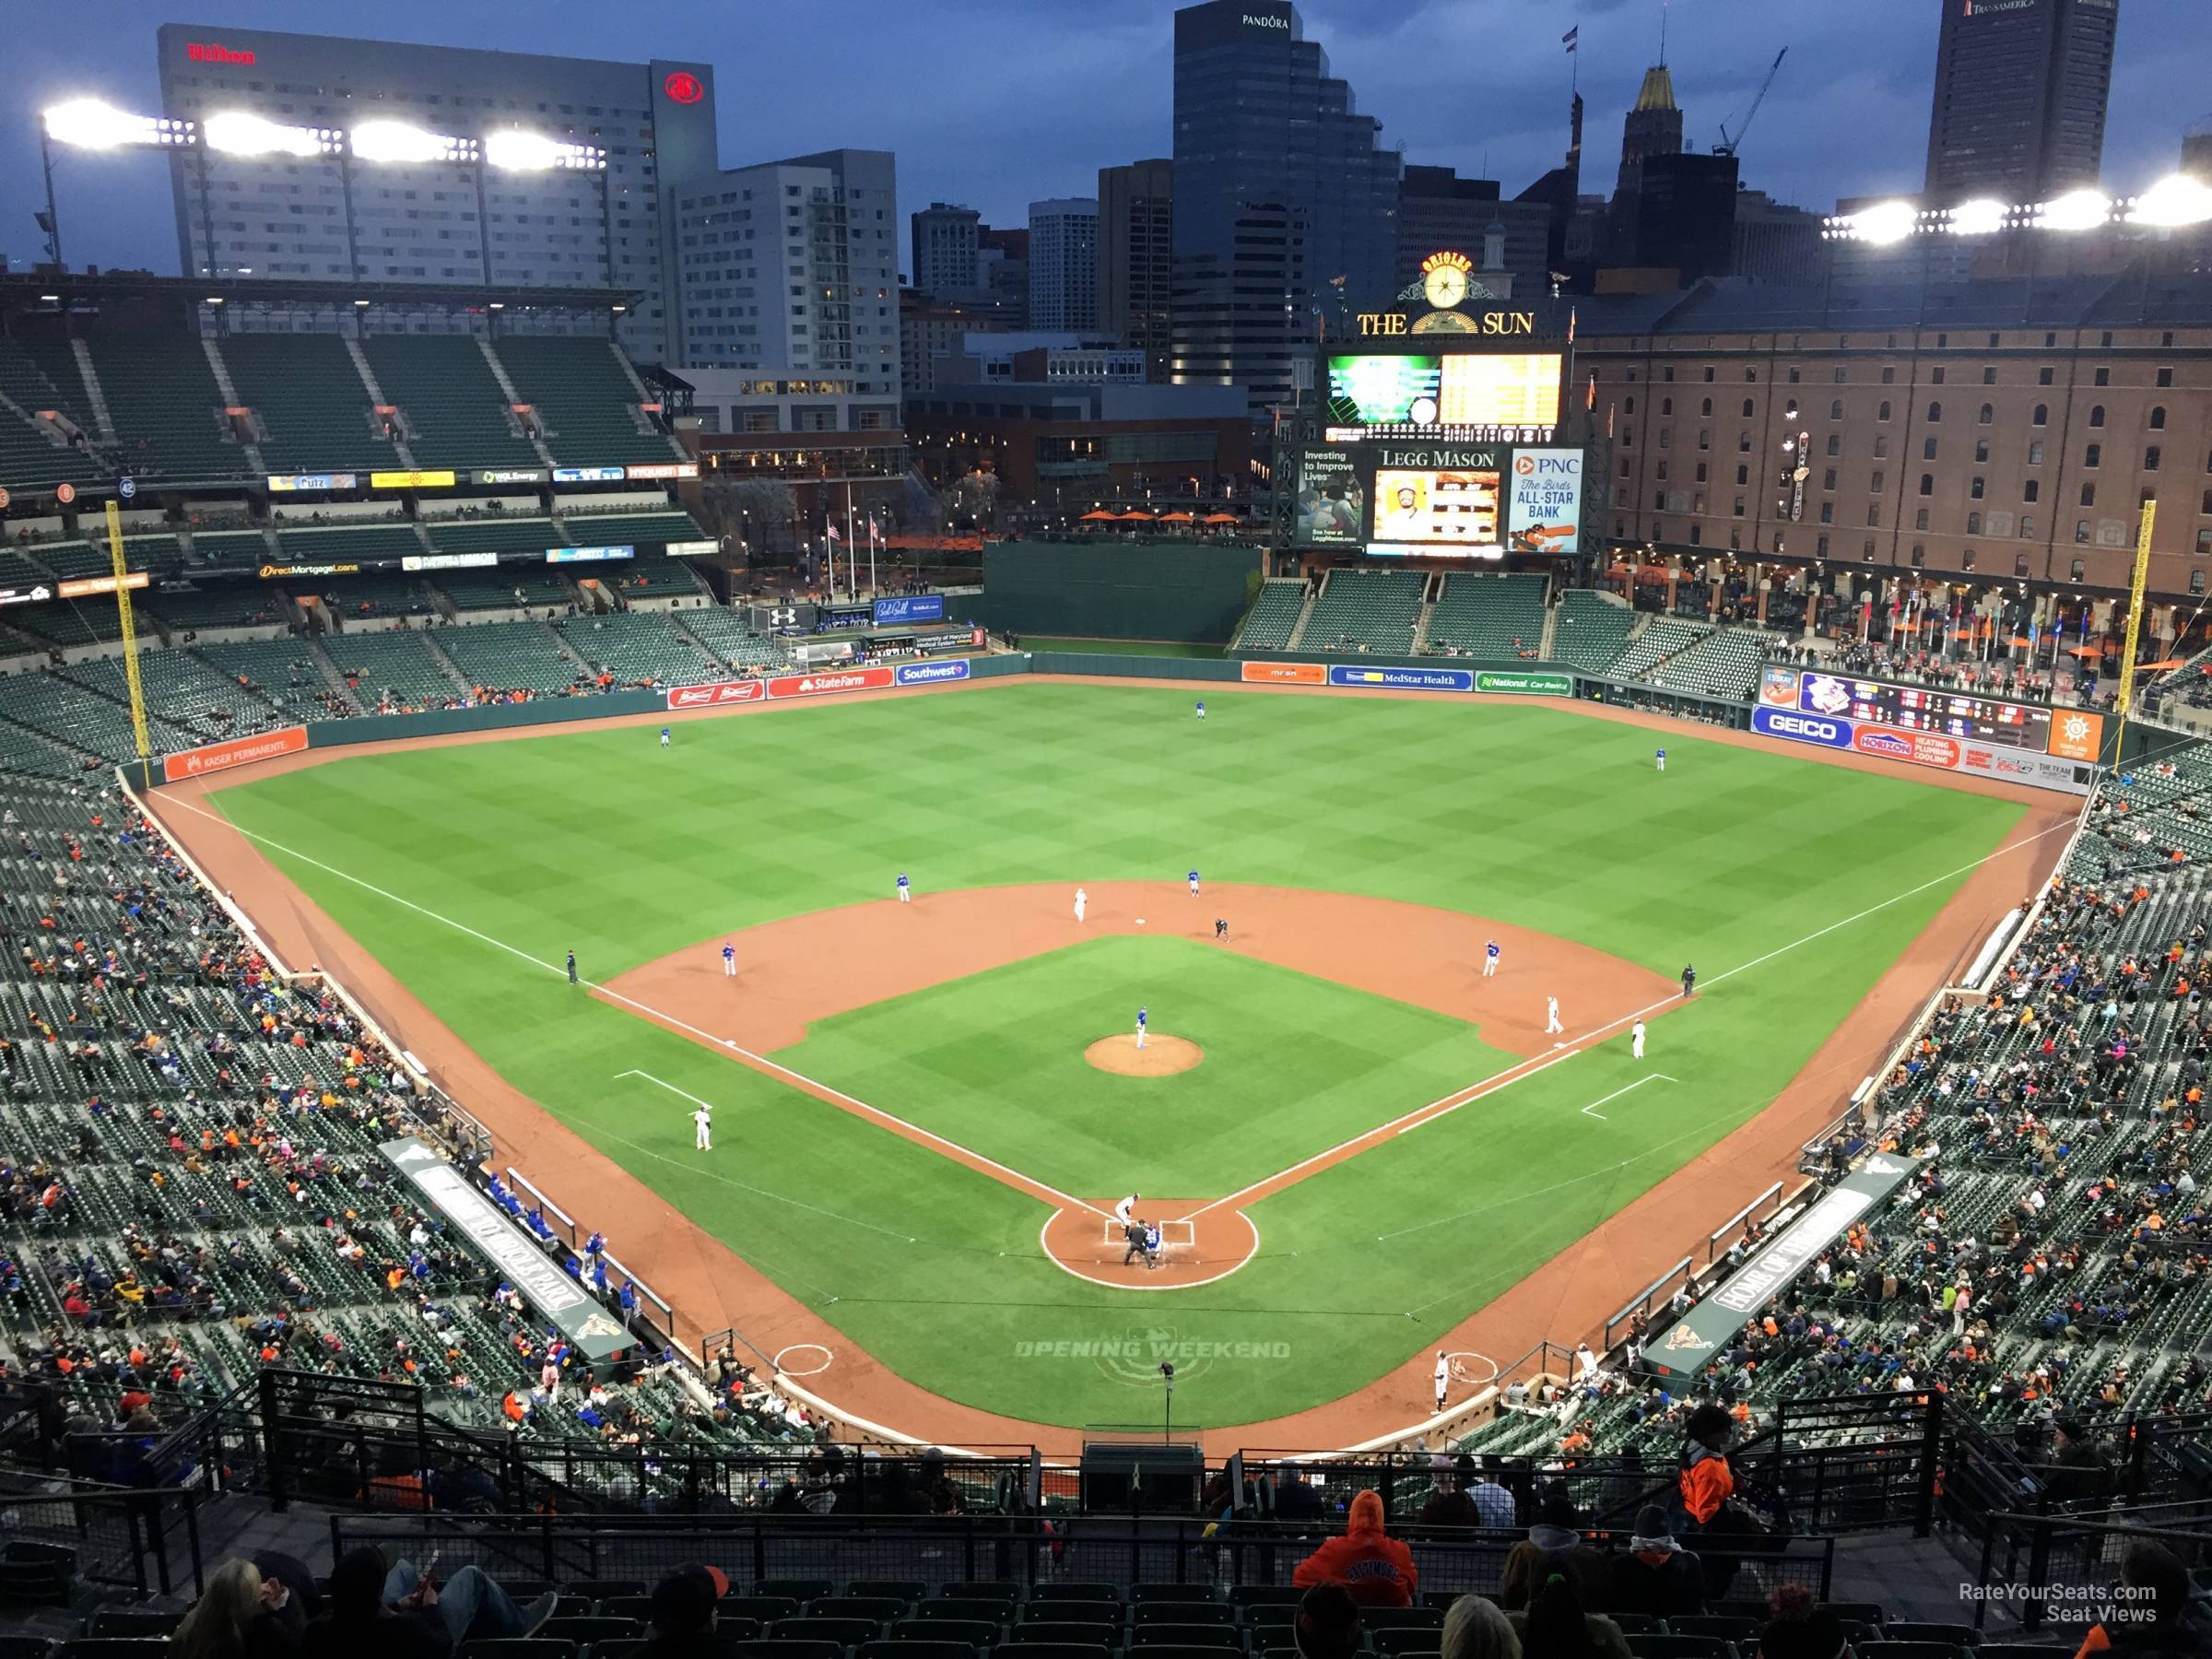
1190, 593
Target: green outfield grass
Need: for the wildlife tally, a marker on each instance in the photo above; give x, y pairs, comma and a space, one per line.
1160, 648
597, 839
1292, 1064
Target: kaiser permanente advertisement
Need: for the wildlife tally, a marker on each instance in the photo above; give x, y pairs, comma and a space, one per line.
1543, 507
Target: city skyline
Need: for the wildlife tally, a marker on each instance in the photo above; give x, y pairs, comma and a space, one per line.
987, 102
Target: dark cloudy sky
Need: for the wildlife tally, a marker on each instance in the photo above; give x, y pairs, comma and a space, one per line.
997, 102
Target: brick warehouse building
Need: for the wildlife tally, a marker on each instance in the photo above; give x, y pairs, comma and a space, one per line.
1978, 432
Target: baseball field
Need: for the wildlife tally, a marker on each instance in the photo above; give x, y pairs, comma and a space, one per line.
924, 1114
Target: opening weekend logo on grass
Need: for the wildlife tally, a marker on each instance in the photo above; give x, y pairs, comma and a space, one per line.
1135, 1356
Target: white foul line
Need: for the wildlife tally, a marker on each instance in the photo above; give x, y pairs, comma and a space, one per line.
760, 1062
1591, 1110
1522, 1070
671, 1087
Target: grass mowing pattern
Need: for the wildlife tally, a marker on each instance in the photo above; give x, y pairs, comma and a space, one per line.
1292, 1064
597, 838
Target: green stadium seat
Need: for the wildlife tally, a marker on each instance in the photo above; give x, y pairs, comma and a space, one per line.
584, 400
1068, 1633
976, 1632
1268, 625
314, 411
166, 407
453, 407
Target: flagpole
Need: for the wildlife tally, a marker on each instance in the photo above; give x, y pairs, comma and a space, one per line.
852, 551
872, 588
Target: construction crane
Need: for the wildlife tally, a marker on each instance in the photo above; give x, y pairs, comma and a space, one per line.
1726, 147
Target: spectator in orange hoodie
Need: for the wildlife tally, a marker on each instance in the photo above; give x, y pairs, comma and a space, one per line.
1372, 1566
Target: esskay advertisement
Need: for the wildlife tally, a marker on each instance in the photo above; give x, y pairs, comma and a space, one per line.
1331, 501
1544, 506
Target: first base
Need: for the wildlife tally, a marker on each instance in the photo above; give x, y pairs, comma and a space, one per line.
1140, 920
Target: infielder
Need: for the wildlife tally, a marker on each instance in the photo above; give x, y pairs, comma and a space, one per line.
1444, 1379
664, 737
729, 959
1489, 960
703, 1121
1662, 760
1141, 1027
1222, 928
1636, 1040
906, 893
1082, 903
1551, 1015
1193, 880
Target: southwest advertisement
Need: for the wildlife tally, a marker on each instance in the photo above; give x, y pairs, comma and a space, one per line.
1544, 504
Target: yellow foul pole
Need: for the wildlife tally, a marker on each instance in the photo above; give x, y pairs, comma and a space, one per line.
2134, 626
130, 645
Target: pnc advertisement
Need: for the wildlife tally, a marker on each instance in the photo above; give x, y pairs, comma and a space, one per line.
1544, 507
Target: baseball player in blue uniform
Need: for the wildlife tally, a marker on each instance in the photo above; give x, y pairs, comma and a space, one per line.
729, 959
1141, 1027
1662, 760
1489, 960
664, 737
906, 892
1193, 884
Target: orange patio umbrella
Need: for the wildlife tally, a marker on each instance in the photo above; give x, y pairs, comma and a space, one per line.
1133, 512
1097, 517
1176, 518
1218, 518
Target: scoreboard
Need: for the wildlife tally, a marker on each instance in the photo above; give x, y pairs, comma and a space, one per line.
1929, 720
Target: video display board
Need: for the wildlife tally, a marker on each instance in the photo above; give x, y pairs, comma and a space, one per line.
1486, 396
1870, 705
1453, 509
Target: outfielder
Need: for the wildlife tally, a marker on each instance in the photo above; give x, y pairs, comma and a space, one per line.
664, 737
1551, 1015
1662, 760
1636, 1040
1201, 710
729, 959
1082, 903
1141, 1027
906, 892
1489, 960
703, 1140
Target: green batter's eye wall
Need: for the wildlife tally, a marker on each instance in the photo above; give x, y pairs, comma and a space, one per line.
1191, 593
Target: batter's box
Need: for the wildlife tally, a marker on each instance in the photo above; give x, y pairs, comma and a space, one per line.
1174, 1235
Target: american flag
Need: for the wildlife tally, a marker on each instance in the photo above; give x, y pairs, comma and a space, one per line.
833, 535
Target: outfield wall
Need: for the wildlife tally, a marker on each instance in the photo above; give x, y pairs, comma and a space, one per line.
1186, 593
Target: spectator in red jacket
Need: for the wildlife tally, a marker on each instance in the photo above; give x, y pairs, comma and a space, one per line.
1372, 1566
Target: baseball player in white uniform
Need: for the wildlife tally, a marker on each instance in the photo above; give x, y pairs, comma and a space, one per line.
906, 892
1443, 1378
729, 959
1194, 880
703, 1122
1127, 1209
1551, 1015
1636, 1040
1082, 903
1489, 959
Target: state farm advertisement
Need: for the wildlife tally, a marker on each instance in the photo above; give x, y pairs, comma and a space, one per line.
821, 685
717, 696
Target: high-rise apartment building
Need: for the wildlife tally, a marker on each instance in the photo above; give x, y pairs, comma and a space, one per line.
457, 220
945, 250
1440, 211
794, 266
2021, 93
1137, 234
1265, 134
1063, 263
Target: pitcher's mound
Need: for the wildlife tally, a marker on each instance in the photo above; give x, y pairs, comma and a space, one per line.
1160, 1057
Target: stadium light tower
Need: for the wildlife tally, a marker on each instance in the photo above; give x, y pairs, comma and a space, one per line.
93, 124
